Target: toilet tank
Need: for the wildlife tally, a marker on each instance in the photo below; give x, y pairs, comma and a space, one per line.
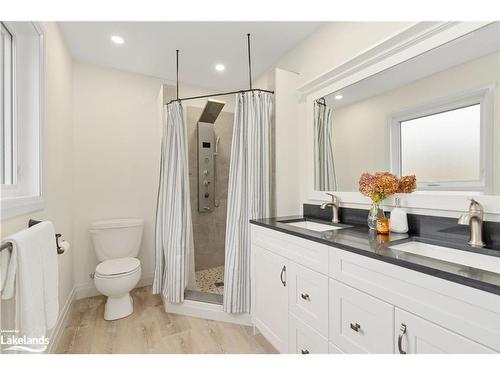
116, 238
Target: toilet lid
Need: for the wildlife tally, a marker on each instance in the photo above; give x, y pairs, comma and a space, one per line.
117, 266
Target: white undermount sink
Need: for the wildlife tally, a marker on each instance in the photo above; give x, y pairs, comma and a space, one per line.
311, 225
465, 258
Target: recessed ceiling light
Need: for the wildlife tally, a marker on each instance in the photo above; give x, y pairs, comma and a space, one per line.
117, 39
220, 67
338, 96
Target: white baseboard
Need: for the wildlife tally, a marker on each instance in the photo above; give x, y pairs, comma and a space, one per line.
89, 290
206, 311
57, 331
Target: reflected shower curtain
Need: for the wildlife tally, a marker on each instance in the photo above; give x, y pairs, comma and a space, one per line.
324, 174
174, 230
248, 192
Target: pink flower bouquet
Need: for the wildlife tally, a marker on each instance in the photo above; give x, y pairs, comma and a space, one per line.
381, 185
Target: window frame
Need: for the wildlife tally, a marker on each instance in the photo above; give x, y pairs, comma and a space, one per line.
11, 111
483, 96
26, 194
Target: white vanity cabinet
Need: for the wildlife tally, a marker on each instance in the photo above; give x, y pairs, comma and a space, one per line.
270, 296
310, 298
290, 291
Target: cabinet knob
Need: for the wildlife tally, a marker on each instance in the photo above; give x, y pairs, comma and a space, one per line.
305, 296
304, 351
355, 327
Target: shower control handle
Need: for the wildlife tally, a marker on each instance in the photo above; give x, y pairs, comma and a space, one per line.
283, 273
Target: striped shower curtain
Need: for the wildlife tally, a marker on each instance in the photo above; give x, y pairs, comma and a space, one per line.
174, 230
248, 192
324, 168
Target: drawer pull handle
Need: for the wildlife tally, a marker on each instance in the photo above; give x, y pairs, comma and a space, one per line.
402, 332
355, 327
305, 296
283, 281
304, 351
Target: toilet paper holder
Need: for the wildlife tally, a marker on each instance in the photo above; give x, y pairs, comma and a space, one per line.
60, 250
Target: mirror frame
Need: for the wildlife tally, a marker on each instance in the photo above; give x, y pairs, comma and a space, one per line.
411, 42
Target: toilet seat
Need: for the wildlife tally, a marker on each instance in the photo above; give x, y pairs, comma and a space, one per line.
119, 267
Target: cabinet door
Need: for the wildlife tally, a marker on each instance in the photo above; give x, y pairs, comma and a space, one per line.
415, 335
270, 299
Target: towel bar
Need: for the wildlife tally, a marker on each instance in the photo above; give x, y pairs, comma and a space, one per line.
32, 222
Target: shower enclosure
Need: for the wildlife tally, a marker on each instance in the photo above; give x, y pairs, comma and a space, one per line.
209, 136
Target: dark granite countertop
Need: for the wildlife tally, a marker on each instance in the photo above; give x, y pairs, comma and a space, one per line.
360, 240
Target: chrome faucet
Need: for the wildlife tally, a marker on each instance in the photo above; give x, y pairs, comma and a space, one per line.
474, 218
334, 204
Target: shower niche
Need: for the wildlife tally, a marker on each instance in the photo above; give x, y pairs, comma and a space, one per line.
207, 156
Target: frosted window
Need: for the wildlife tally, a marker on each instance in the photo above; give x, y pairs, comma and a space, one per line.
443, 147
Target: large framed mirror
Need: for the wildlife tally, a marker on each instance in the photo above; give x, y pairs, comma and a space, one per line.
434, 115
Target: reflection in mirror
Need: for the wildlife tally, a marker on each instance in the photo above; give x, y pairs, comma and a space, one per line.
433, 116
323, 151
454, 133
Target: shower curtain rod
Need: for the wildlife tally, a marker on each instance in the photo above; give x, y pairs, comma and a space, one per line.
218, 94
177, 99
321, 101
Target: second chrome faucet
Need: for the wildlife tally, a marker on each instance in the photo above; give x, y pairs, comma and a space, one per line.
474, 218
334, 204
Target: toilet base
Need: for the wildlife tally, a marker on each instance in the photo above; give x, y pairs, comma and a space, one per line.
118, 307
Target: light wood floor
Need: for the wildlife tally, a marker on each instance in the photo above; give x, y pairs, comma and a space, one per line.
151, 330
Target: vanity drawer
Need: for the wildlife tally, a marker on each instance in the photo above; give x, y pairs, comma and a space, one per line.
308, 297
304, 339
307, 253
360, 323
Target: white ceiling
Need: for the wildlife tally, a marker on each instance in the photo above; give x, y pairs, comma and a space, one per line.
149, 48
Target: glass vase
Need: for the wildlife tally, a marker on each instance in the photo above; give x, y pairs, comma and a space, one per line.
373, 214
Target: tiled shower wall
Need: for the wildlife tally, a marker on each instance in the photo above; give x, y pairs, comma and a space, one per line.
209, 228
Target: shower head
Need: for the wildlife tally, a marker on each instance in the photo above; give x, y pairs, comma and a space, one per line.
211, 111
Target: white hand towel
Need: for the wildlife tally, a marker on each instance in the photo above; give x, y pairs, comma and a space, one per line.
4, 266
33, 274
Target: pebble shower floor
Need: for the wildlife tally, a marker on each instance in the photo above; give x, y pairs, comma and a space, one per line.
210, 280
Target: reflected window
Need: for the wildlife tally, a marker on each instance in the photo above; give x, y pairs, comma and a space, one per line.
450, 140
444, 144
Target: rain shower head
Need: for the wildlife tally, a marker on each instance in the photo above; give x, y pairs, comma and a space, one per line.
211, 111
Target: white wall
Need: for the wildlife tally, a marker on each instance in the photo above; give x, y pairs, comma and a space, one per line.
331, 45
117, 134
57, 156
286, 144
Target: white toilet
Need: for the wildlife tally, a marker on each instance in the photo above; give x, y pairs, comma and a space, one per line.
117, 243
